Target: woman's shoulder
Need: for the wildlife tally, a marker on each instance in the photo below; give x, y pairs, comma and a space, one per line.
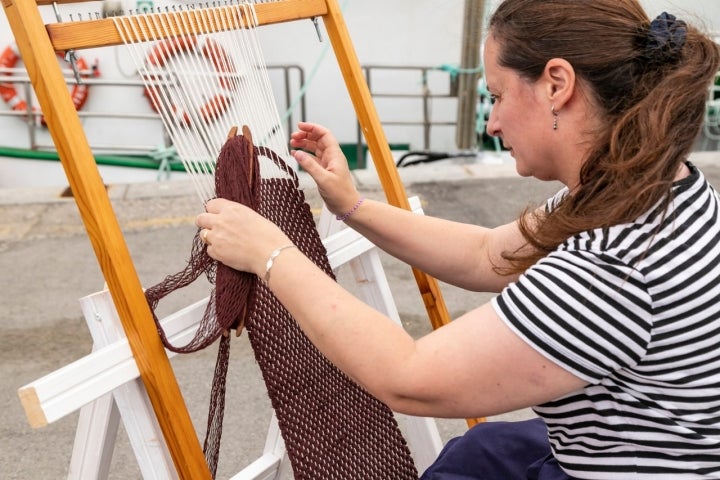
689, 222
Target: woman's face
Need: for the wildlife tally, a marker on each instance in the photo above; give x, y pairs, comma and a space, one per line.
521, 117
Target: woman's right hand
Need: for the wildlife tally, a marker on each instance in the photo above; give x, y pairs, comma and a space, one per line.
328, 166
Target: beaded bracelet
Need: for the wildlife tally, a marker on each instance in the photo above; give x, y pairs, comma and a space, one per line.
347, 214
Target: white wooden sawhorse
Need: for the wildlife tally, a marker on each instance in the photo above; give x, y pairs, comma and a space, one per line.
106, 387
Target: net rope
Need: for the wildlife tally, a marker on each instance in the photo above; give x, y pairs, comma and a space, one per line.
202, 85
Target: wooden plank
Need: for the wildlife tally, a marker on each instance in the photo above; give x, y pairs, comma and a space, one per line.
50, 2
95, 439
65, 390
103, 33
274, 463
131, 402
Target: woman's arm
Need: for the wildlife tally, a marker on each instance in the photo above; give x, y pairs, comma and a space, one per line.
475, 366
459, 254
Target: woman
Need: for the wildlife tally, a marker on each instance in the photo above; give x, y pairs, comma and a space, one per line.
607, 320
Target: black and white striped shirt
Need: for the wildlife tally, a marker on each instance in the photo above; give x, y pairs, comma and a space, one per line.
635, 311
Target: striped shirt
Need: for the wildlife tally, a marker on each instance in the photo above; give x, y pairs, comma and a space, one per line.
634, 310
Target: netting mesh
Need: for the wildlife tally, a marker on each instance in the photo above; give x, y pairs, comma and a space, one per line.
332, 428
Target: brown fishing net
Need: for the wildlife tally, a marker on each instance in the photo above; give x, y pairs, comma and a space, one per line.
332, 428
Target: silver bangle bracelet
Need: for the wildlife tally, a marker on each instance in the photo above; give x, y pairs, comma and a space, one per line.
275, 253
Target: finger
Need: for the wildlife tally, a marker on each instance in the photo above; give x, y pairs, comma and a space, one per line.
204, 236
315, 129
216, 205
308, 162
202, 220
315, 132
299, 134
322, 135
303, 145
307, 126
298, 139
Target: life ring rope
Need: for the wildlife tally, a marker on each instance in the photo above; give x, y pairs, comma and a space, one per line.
10, 95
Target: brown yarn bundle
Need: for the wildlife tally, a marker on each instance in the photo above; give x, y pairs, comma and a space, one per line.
332, 428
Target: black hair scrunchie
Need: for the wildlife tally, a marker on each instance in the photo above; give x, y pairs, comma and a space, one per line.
665, 39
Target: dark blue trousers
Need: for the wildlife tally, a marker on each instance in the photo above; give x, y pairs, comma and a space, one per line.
498, 451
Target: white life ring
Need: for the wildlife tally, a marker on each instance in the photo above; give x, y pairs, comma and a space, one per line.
218, 103
8, 92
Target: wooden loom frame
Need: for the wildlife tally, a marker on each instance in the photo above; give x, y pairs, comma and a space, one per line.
38, 44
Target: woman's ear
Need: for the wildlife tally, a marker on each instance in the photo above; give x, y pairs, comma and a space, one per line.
559, 80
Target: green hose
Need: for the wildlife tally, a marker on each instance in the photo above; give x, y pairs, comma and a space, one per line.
133, 161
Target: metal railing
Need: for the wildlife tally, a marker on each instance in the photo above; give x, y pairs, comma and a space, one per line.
290, 75
423, 93
712, 112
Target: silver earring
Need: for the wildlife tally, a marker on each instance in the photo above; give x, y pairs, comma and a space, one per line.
555, 117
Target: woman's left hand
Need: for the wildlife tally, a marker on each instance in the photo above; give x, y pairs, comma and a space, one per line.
239, 237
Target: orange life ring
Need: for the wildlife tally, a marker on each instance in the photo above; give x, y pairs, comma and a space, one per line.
8, 92
217, 104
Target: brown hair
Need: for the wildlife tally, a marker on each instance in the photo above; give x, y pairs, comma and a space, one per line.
649, 79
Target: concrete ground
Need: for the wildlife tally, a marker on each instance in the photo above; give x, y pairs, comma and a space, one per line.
47, 264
